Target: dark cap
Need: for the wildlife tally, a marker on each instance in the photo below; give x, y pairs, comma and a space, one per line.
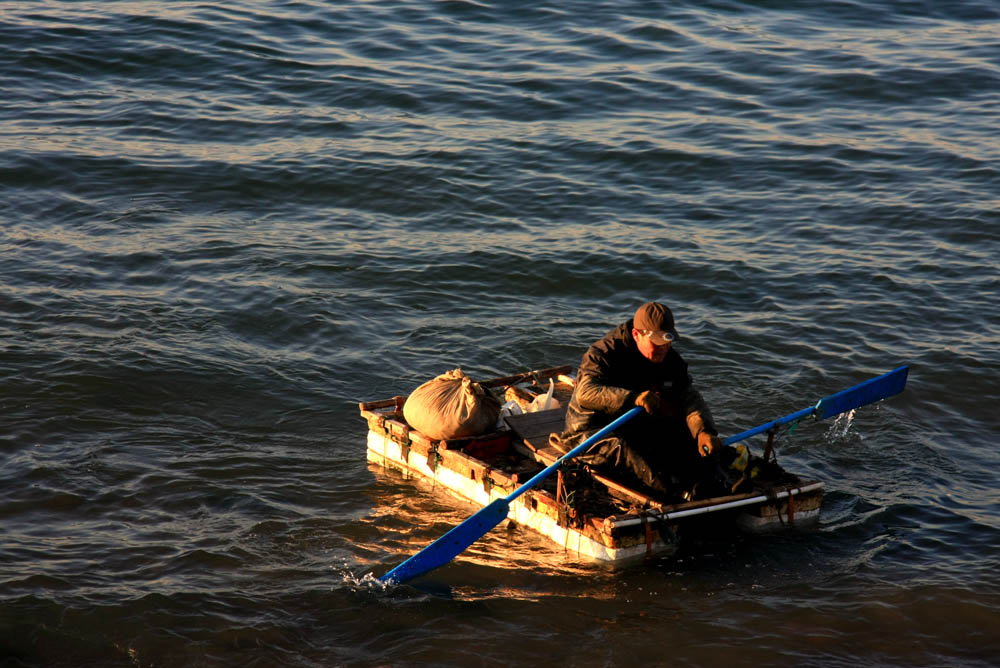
654, 317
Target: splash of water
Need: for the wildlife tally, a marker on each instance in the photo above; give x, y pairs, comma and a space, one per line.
367, 581
841, 426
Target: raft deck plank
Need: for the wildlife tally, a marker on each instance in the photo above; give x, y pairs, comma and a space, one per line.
534, 430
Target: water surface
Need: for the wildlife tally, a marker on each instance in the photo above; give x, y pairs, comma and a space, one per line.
225, 225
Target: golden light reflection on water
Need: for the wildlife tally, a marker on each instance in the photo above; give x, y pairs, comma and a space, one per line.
413, 515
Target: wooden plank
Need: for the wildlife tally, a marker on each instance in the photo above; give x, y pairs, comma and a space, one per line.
536, 427
396, 402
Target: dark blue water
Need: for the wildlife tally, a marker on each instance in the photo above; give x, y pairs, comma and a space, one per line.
223, 225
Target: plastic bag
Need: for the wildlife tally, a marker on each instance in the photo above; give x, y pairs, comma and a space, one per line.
544, 402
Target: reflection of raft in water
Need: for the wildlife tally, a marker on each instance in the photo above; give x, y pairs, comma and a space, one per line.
584, 512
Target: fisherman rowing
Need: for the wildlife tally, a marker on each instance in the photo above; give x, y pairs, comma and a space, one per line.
667, 448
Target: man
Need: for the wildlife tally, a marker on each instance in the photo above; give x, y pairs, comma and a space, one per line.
635, 365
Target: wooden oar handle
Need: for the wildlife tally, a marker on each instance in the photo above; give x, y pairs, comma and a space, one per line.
396, 401
551, 372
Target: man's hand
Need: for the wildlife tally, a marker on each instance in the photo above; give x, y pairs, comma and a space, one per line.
650, 402
707, 443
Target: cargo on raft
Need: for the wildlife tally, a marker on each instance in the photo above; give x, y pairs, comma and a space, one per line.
582, 510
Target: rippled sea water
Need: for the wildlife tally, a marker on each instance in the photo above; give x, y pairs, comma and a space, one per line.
226, 224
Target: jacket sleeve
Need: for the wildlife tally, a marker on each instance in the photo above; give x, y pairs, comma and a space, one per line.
699, 417
594, 395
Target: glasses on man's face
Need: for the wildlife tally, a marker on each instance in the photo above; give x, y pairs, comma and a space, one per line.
658, 338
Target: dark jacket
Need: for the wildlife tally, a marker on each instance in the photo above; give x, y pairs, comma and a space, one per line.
613, 373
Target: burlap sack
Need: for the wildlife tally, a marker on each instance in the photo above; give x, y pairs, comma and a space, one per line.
451, 406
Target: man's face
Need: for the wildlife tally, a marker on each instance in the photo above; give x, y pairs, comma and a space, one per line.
648, 349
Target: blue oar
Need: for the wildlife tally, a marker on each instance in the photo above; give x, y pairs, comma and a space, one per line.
868, 392
453, 543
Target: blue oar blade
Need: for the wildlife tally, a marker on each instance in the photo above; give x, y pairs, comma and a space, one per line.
863, 394
450, 545
868, 392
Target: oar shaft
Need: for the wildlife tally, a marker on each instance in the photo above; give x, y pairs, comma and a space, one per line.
598, 435
798, 415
